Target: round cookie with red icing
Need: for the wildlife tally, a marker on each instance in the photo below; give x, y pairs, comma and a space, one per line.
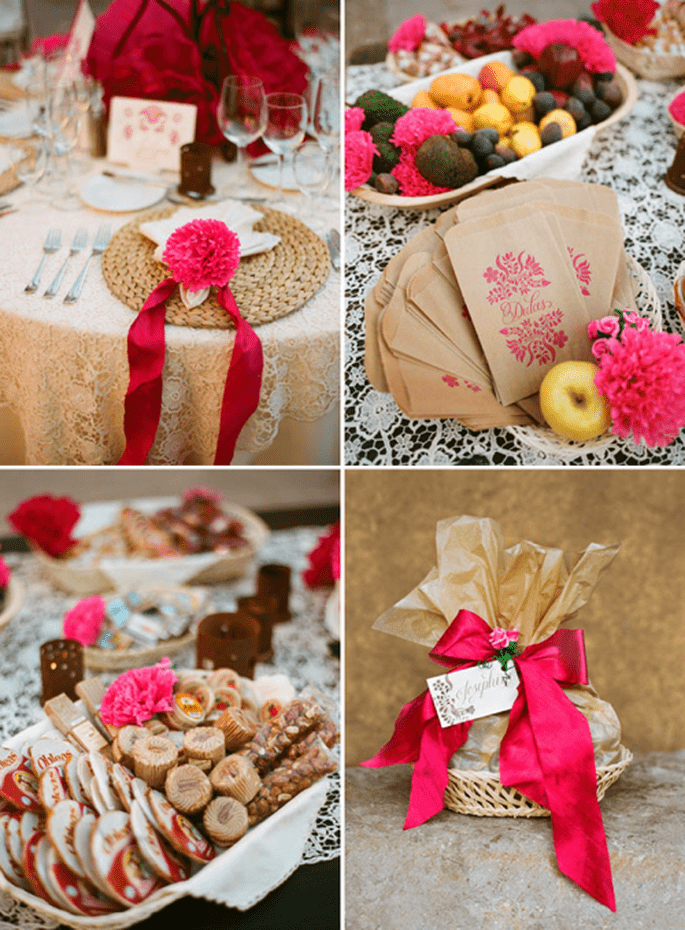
178, 830
166, 863
119, 861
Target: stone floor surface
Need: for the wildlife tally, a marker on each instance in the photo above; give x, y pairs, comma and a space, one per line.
458, 872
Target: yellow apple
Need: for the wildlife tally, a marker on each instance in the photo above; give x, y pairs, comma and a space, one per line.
571, 403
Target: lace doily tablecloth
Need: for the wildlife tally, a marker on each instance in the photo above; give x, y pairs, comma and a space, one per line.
65, 367
631, 158
301, 651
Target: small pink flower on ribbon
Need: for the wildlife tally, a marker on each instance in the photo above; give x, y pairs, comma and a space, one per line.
500, 638
84, 621
200, 254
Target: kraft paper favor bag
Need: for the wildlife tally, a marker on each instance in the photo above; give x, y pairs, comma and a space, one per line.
522, 295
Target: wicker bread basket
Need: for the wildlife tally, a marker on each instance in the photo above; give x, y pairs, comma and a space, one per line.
483, 795
644, 62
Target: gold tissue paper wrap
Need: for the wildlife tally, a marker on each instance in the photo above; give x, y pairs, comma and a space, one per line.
525, 586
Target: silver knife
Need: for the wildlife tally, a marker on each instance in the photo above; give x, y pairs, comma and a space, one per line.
333, 239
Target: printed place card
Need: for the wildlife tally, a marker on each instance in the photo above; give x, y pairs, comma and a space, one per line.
469, 693
148, 134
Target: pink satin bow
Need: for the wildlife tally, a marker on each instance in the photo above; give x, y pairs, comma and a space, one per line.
546, 752
143, 402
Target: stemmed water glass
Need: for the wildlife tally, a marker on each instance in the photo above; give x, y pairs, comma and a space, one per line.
63, 128
29, 158
312, 167
241, 115
326, 115
286, 122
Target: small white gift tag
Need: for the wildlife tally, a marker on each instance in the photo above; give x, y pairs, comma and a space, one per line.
469, 693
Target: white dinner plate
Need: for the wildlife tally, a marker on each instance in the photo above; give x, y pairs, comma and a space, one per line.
265, 170
120, 196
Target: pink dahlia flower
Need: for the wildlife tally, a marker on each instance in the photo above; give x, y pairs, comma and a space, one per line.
594, 52
202, 253
137, 695
500, 638
354, 117
5, 574
412, 183
84, 621
409, 35
359, 152
419, 124
643, 381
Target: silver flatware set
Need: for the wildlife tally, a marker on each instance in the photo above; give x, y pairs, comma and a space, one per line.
52, 243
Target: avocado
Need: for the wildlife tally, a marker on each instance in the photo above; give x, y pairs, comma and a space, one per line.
379, 108
442, 162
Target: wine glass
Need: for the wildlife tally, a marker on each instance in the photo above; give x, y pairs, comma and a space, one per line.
316, 24
326, 116
286, 122
29, 158
63, 128
312, 167
241, 115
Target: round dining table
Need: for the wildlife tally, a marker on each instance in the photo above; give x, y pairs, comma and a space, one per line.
631, 157
65, 367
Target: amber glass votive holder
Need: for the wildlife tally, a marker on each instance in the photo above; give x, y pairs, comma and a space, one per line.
196, 170
61, 668
228, 640
274, 580
264, 609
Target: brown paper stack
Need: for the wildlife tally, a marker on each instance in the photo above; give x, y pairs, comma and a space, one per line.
468, 318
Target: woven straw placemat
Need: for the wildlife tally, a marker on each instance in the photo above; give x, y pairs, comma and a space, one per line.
8, 178
266, 286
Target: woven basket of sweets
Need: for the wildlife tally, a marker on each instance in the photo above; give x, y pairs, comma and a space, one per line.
90, 844
119, 548
649, 63
483, 795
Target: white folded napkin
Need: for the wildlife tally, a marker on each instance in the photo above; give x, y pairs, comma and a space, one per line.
238, 216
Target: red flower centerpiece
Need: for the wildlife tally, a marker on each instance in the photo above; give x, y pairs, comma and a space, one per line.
47, 522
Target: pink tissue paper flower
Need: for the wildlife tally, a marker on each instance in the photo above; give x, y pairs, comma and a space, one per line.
201, 493
137, 695
84, 621
359, 152
594, 52
412, 183
643, 381
500, 639
419, 124
409, 34
5, 574
202, 253
354, 117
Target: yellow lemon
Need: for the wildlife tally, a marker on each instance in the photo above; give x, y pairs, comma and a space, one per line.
493, 116
525, 139
518, 94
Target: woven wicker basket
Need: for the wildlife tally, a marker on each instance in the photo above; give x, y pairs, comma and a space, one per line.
644, 62
483, 795
541, 438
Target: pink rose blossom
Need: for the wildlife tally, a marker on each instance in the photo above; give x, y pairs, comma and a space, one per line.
634, 319
500, 638
419, 124
202, 253
354, 117
359, 153
608, 326
594, 52
409, 34
5, 574
603, 347
137, 695
84, 621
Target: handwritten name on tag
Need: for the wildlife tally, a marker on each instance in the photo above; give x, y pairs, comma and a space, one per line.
469, 693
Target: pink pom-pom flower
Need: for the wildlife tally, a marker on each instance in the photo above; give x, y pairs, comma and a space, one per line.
500, 638
359, 153
84, 621
354, 117
409, 35
202, 253
642, 376
419, 124
137, 695
594, 52
5, 574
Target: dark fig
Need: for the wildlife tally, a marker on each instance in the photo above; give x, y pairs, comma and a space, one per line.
506, 153
575, 108
462, 138
494, 161
610, 92
482, 146
386, 184
534, 76
544, 103
560, 98
488, 133
521, 58
551, 133
599, 111
561, 65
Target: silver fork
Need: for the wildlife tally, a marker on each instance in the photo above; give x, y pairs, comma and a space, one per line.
53, 240
78, 243
99, 245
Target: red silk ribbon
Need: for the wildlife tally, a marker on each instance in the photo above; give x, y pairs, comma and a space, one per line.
546, 752
143, 402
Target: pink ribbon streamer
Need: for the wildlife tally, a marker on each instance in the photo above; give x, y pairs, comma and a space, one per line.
546, 753
143, 402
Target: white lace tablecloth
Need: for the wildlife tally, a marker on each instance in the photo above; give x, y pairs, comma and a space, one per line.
301, 651
65, 367
631, 158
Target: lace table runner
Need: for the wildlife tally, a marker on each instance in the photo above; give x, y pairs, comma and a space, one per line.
301, 651
631, 158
